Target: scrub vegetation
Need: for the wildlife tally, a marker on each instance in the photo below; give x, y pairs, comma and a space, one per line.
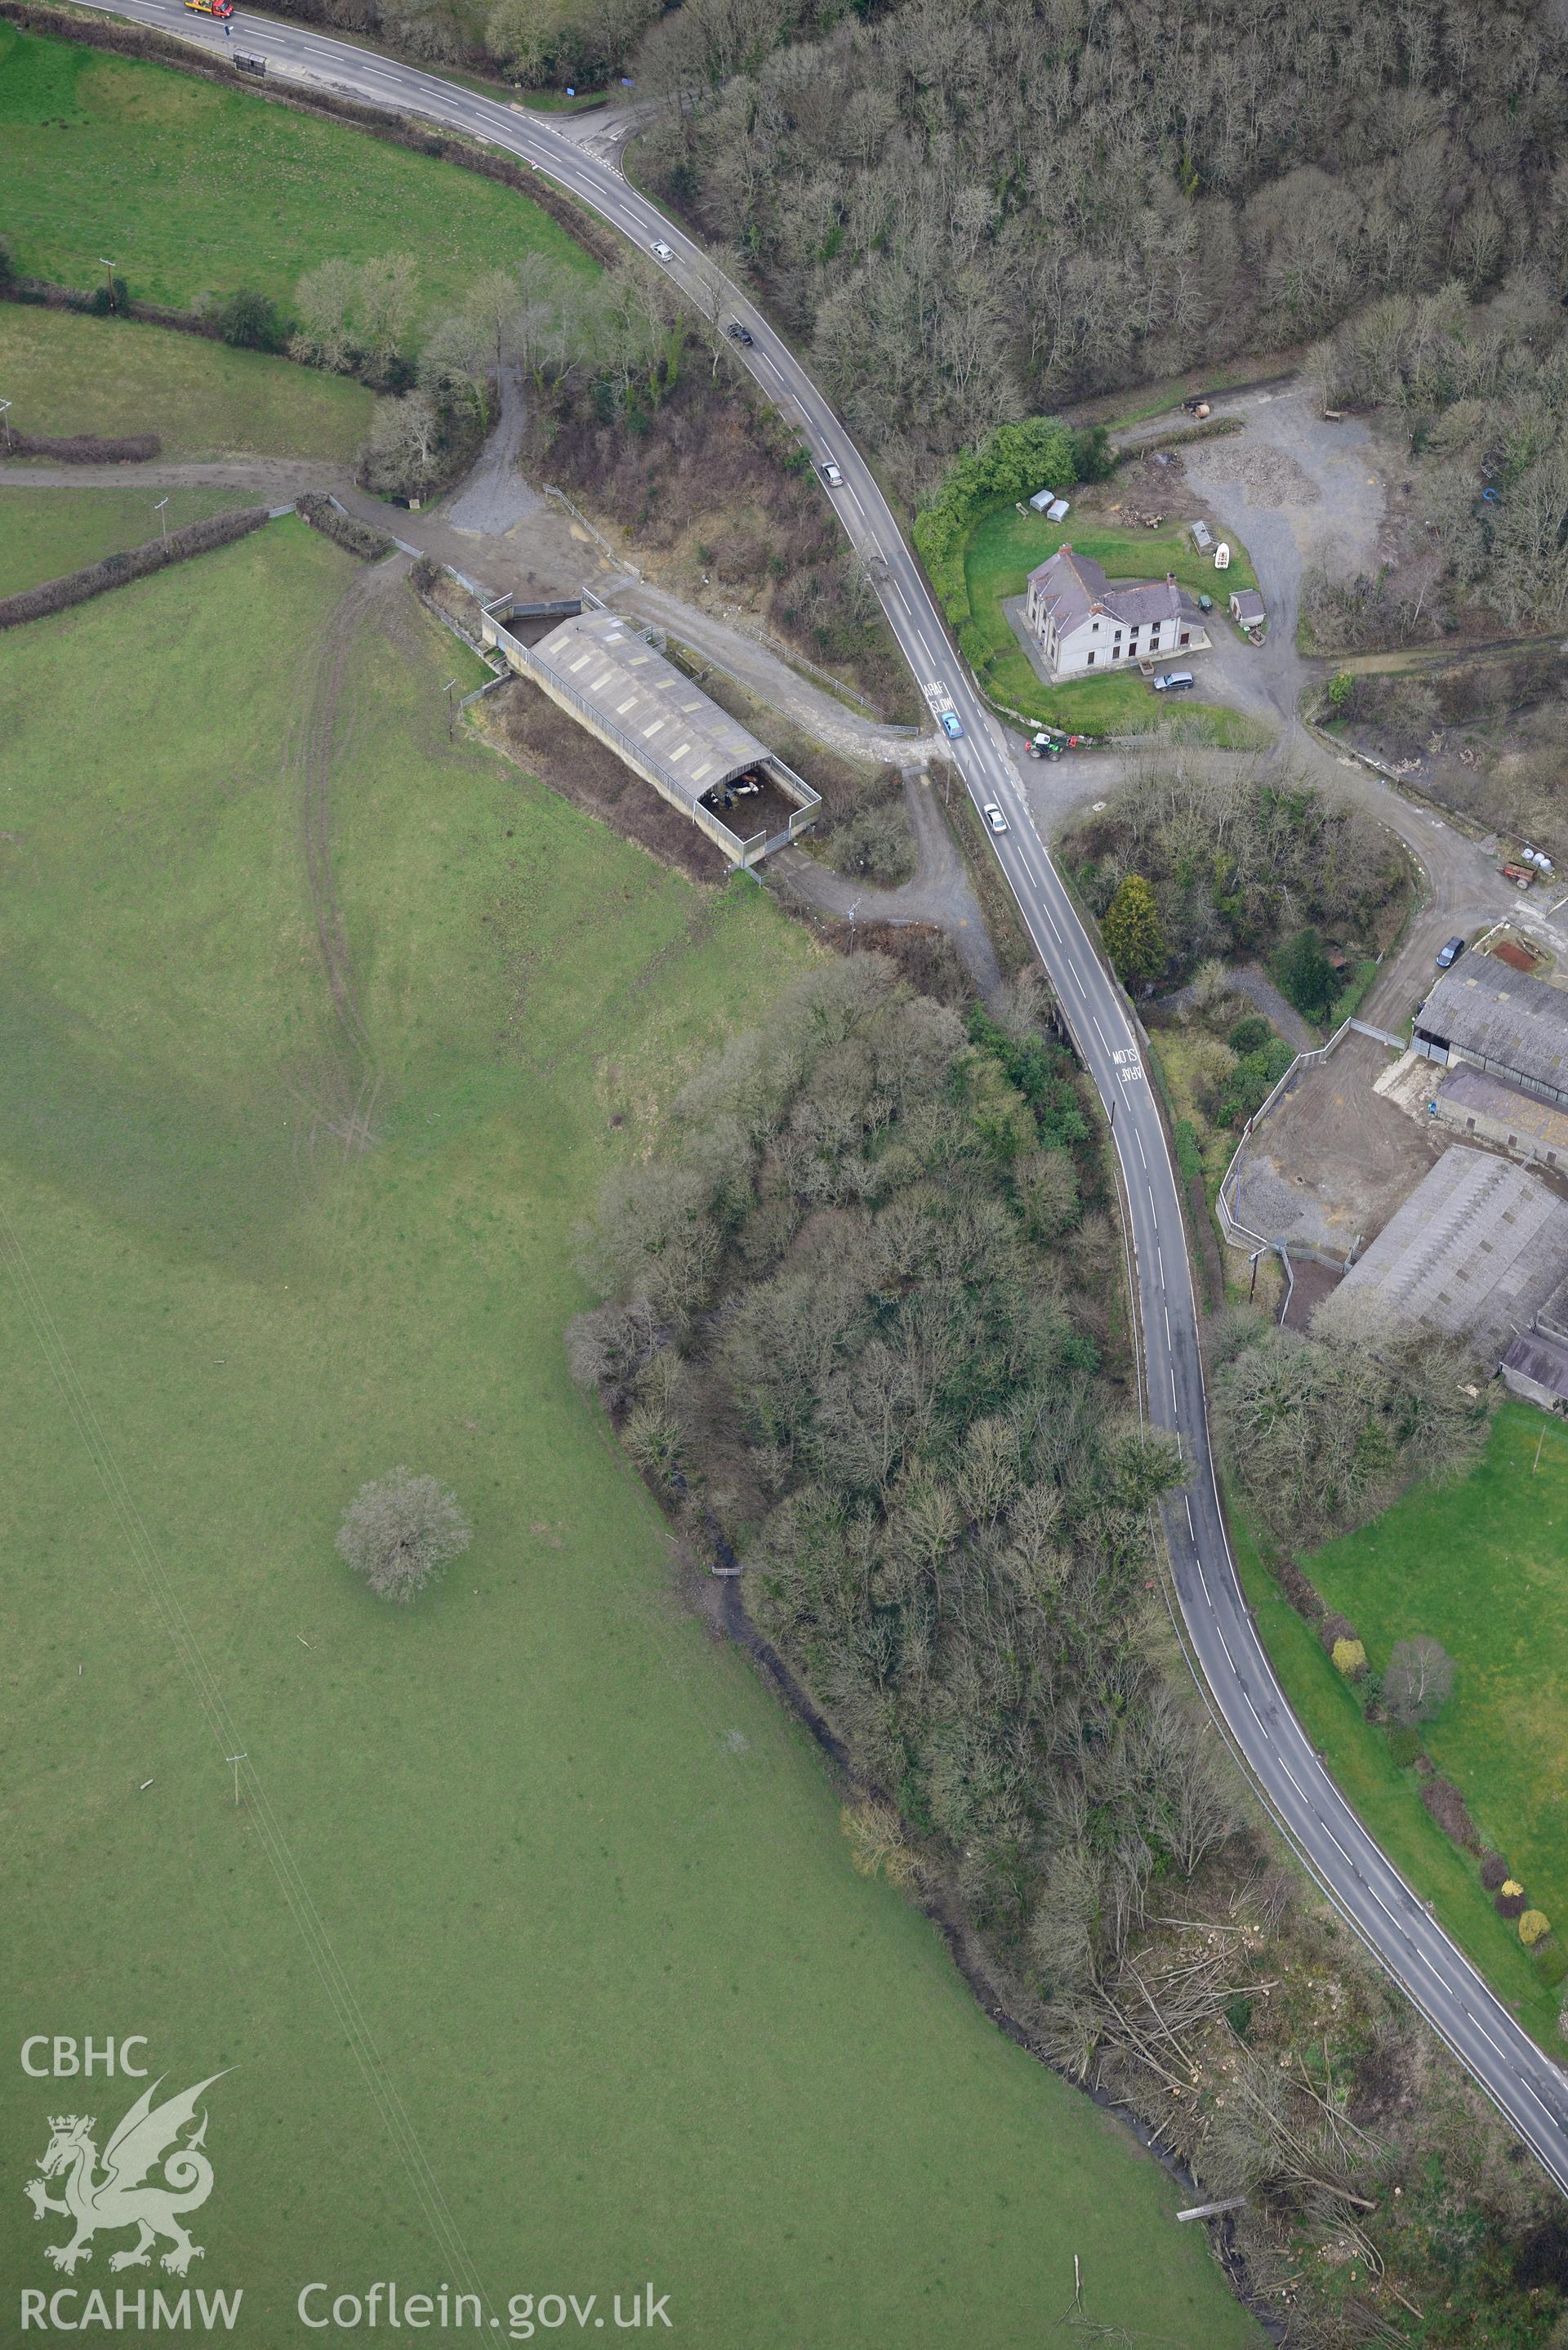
1240, 860
856, 1336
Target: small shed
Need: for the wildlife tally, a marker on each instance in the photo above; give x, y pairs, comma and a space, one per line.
1202, 537
1042, 500
1247, 607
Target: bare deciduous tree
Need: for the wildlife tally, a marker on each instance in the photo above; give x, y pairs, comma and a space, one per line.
1418, 1680
399, 1531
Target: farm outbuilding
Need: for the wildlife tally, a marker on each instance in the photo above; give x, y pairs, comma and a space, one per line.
1501, 1021
596, 666
1474, 1251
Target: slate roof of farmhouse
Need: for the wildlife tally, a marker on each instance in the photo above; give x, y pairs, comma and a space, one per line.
1074, 588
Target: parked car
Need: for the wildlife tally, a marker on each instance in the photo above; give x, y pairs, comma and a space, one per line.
994, 816
662, 252
738, 334
831, 474
1175, 680
1450, 954
952, 727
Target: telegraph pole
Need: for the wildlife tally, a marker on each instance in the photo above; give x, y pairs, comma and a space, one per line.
162, 511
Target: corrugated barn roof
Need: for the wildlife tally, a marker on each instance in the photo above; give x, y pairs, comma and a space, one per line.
667, 720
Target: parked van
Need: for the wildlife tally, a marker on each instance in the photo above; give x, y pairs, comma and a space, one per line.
1175, 680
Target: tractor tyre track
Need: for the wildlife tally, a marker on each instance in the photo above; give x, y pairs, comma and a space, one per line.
357, 1078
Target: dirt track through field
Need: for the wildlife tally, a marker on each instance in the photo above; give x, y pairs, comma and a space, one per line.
354, 1080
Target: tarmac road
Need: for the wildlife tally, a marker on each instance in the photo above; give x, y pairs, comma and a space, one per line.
1525, 2085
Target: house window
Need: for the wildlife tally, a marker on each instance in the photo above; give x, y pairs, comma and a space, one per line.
1094, 627
1186, 635
1091, 661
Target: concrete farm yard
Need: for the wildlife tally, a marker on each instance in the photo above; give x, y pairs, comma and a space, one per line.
584, 1877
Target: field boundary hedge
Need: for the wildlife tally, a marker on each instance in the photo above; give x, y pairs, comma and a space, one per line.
84, 448
135, 563
344, 530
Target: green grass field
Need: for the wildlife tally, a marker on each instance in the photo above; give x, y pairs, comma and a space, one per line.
192, 189
1483, 1566
1004, 547
584, 1877
45, 533
66, 373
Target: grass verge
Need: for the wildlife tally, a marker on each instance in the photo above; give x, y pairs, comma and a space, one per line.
1014, 947
1470, 1565
196, 189
582, 1873
66, 373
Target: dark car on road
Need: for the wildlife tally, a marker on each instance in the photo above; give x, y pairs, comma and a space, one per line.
738, 334
1450, 954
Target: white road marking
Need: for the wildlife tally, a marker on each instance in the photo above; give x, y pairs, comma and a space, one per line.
1099, 1031
1077, 982
1225, 1644
1138, 1139
1204, 1579
1186, 1504
1175, 1407
1160, 1254
1169, 1342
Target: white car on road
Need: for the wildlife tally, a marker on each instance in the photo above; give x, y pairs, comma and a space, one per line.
662, 252
994, 816
831, 474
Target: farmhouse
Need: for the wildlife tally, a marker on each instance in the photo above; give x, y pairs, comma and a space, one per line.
1085, 624
1501, 1021
596, 666
1473, 1253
